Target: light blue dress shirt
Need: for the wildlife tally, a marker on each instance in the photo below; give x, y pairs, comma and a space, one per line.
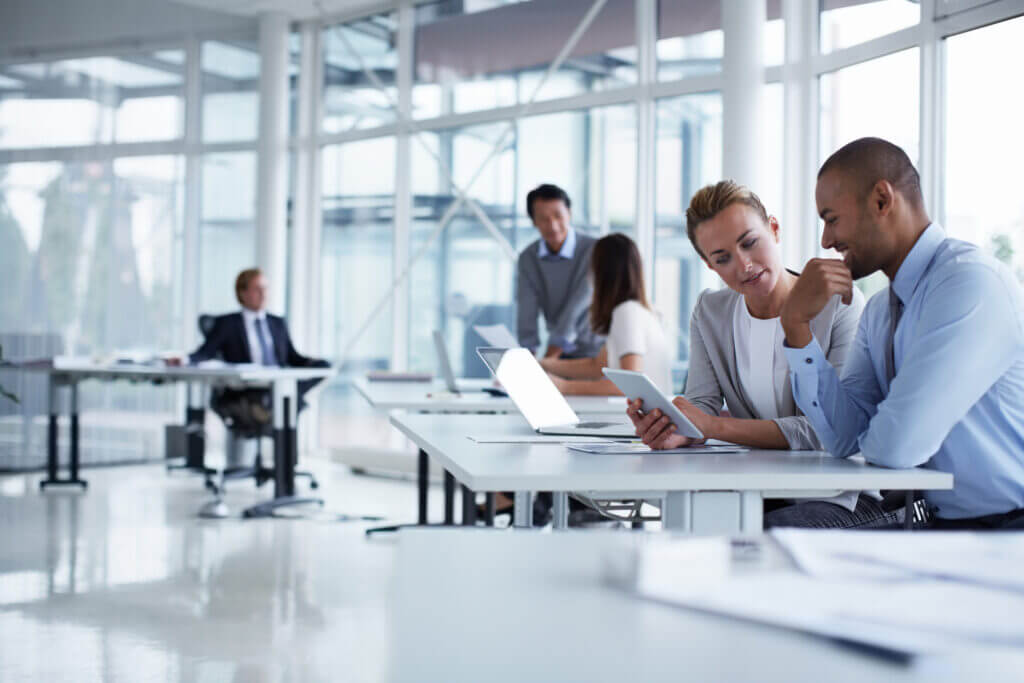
566, 253
956, 403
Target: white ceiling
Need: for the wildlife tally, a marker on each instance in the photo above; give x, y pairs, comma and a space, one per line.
296, 9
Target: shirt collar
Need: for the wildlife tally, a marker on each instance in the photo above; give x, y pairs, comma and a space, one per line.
250, 316
917, 261
566, 252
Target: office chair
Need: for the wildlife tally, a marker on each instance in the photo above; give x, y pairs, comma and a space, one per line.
220, 400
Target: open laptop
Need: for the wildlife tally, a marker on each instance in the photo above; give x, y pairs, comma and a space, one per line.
540, 402
445, 363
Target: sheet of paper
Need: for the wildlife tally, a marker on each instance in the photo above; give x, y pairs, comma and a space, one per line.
636, 448
992, 560
497, 336
539, 438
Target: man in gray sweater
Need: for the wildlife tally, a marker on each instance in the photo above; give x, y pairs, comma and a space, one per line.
552, 279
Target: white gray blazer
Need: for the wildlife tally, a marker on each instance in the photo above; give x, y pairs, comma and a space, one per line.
713, 375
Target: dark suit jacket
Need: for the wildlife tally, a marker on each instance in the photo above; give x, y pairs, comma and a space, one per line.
228, 342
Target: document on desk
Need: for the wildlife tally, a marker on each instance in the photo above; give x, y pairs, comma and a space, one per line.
636, 448
536, 438
893, 618
991, 560
497, 336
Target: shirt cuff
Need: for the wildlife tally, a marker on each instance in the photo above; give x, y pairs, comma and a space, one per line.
562, 343
806, 360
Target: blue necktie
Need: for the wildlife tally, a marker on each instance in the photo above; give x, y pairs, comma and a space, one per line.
264, 336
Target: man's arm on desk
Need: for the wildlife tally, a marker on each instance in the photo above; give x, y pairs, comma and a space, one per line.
296, 359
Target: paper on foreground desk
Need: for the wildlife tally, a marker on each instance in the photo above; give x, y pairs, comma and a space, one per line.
924, 593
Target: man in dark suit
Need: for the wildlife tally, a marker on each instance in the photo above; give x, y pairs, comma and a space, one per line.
252, 336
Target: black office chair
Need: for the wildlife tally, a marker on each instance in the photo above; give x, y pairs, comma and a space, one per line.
221, 401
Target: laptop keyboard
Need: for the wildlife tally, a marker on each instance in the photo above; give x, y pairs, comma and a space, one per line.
597, 425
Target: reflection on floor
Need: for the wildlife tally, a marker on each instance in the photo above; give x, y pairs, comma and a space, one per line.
124, 582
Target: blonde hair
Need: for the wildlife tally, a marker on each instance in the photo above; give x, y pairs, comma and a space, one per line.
711, 200
243, 280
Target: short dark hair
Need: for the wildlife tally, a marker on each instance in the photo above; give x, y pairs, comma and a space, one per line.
618, 275
868, 160
546, 191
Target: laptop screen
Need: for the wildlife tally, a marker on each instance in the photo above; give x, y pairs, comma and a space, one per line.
529, 387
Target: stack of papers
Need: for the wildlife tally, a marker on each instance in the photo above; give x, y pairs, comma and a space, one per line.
896, 594
637, 448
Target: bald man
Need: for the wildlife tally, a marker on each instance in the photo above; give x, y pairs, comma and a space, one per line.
936, 374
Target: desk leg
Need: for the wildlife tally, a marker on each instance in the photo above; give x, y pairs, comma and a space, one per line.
560, 510
676, 513
523, 511
285, 449
449, 498
489, 509
423, 484
468, 507
52, 474
751, 512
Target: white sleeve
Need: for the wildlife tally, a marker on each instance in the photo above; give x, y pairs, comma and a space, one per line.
628, 330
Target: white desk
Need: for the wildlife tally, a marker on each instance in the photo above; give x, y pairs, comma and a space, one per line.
474, 605
283, 383
434, 397
721, 494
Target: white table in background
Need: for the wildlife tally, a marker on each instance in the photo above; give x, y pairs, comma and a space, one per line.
720, 493
434, 398
282, 382
472, 605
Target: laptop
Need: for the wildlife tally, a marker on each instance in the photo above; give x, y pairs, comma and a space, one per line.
540, 402
445, 363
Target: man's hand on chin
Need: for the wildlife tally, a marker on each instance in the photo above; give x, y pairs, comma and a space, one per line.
821, 280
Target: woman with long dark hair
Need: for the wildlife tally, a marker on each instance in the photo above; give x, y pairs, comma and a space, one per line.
635, 339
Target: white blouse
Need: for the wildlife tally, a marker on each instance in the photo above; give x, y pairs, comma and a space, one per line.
636, 329
764, 374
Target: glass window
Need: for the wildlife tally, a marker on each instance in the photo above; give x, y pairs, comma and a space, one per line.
852, 102
466, 278
94, 100
849, 22
351, 99
227, 232
358, 206
688, 156
983, 201
231, 85
91, 256
496, 56
691, 41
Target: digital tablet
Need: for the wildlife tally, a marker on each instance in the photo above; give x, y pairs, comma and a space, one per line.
638, 385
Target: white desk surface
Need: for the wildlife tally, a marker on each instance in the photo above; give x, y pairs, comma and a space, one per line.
81, 368
434, 397
553, 467
475, 605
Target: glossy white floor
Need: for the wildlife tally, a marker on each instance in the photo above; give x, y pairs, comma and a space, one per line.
125, 583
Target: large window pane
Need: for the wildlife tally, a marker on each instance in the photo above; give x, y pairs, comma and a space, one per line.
356, 251
231, 74
689, 156
92, 100
228, 231
91, 256
470, 60
691, 41
465, 278
850, 103
849, 22
984, 143
351, 98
